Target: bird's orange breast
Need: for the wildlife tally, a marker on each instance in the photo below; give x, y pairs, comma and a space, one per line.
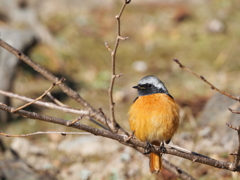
154, 117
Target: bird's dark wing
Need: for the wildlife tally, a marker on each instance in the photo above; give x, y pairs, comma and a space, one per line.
135, 99
170, 96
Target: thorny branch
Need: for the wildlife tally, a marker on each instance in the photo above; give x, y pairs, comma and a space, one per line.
206, 81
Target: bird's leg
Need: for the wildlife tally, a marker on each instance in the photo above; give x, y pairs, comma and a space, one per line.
162, 149
147, 150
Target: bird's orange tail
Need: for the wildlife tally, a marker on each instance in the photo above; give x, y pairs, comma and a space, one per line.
155, 163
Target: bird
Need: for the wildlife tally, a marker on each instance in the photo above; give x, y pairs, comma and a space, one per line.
154, 117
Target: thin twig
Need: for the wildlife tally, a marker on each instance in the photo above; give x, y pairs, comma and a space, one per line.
203, 79
113, 58
40, 97
104, 115
41, 132
236, 161
108, 47
56, 100
65, 108
74, 121
234, 111
130, 137
176, 170
232, 127
46, 104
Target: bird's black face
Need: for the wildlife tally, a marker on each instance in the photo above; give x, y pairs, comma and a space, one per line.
147, 89
151, 85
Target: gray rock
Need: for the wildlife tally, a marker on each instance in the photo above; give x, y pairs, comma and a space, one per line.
216, 136
17, 169
8, 62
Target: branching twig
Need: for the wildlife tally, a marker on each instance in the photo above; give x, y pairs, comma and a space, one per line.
237, 153
113, 57
203, 79
46, 104
140, 146
70, 92
63, 108
40, 97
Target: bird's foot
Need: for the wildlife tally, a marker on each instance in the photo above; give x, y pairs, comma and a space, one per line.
162, 149
147, 150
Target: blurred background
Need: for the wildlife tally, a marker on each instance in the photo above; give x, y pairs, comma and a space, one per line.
67, 38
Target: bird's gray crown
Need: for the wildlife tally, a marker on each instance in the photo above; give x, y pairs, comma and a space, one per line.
154, 81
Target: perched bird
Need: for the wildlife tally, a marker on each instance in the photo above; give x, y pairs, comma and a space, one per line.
154, 116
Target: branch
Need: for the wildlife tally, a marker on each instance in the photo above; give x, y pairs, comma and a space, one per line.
48, 132
70, 92
138, 145
234, 111
177, 171
203, 79
56, 101
61, 106
237, 153
40, 97
113, 58
46, 104
92, 130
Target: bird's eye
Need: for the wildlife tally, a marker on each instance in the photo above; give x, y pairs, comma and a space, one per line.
149, 85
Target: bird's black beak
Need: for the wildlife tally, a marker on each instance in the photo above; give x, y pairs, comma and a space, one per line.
138, 87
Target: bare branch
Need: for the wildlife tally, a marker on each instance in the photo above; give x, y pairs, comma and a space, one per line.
236, 161
234, 111
203, 79
130, 137
140, 146
46, 104
107, 46
74, 121
65, 108
48, 132
104, 115
70, 92
56, 100
177, 171
40, 97
113, 58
